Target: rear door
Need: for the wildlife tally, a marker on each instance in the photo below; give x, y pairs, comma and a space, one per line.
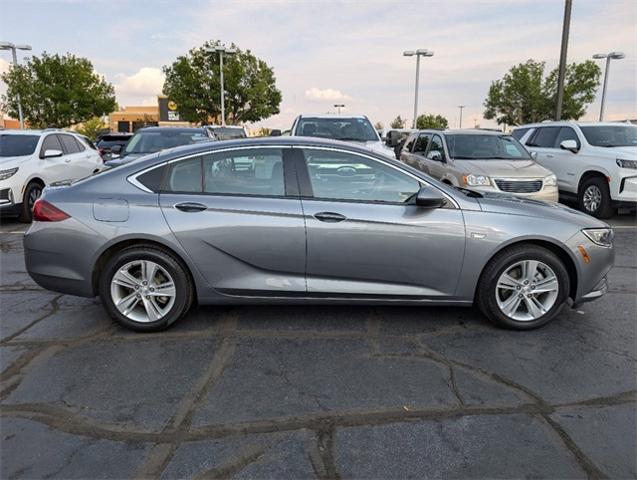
238, 215
78, 163
364, 236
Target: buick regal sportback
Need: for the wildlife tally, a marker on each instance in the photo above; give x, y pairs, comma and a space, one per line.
301, 220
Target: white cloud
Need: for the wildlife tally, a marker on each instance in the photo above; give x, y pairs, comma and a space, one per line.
140, 88
326, 94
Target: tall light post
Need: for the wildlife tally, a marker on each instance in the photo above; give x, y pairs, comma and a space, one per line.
13, 48
460, 123
608, 56
221, 51
421, 52
338, 106
561, 73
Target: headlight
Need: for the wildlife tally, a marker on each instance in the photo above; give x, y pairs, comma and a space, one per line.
626, 163
476, 180
550, 181
600, 236
4, 174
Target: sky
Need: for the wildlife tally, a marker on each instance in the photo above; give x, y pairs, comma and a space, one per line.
349, 52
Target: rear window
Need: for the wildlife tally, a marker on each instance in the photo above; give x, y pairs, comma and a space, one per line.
228, 133
154, 141
18, 145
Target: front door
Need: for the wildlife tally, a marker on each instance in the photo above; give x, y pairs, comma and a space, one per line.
365, 237
239, 219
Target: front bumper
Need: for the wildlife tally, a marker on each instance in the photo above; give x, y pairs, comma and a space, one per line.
592, 265
625, 190
546, 194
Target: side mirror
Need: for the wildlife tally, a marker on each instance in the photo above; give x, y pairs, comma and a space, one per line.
275, 133
52, 153
429, 197
570, 145
435, 156
534, 156
116, 149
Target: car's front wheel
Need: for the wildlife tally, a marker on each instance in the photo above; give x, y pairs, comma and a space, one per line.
145, 288
594, 198
523, 287
32, 192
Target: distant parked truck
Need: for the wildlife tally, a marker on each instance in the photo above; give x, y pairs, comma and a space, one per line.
595, 163
482, 160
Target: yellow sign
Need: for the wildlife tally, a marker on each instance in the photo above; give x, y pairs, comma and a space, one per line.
172, 105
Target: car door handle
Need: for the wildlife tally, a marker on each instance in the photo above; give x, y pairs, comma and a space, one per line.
191, 207
549, 155
67, 160
330, 217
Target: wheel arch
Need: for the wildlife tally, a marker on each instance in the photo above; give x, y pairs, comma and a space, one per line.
590, 173
559, 250
106, 254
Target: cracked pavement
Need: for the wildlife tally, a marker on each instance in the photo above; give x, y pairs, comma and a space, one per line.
315, 392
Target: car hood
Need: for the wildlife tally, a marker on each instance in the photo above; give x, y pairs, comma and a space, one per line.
10, 162
378, 147
623, 152
512, 205
503, 168
116, 162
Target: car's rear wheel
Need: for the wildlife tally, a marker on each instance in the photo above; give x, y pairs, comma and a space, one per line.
594, 198
523, 287
31, 193
145, 288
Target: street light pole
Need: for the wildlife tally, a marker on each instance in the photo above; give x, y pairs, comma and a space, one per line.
421, 52
562, 68
460, 123
14, 48
339, 106
228, 51
608, 56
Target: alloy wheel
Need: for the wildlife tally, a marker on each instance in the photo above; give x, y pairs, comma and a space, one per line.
143, 291
592, 198
34, 194
527, 290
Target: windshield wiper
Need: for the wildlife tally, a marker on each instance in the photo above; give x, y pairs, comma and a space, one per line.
468, 192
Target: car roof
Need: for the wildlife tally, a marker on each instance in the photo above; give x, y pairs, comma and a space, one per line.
330, 116
38, 132
171, 129
463, 131
564, 123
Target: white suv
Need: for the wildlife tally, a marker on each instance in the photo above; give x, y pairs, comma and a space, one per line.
32, 159
594, 162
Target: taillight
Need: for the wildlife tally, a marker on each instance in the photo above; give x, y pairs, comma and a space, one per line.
43, 211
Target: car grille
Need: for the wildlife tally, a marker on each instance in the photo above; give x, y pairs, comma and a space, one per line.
4, 194
519, 186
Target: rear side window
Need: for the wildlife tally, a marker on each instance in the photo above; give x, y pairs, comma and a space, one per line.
544, 137
81, 146
69, 145
51, 142
410, 143
152, 179
185, 176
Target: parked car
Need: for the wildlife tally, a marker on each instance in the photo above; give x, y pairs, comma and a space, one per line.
395, 139
480, 160
357, 129
32, 159
227, 132
105, 143
595, 163
311, 221
154, 139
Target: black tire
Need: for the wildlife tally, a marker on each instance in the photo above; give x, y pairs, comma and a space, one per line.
31, 193
183, 286
486, 290
605, 208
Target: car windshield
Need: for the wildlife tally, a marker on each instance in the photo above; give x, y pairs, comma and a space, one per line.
338, 128
485, 147
150, 142
18, 145
228, 133
611, 135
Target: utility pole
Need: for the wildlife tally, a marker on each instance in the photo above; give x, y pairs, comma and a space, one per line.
460, 123
562, 69
421, 52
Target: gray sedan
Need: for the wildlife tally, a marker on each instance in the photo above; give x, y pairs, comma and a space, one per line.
299, 220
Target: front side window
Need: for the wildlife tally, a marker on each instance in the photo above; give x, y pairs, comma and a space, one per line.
257, 171
18, 145
356, 129
344, 176
611, 135
411, 140
485, 147
567, 133
436, 150
51, 142
422, 143
544, 137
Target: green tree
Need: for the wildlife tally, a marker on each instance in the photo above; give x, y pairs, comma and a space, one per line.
192, 81
397, 122
92, 127
431, 121
525, 95
57, 91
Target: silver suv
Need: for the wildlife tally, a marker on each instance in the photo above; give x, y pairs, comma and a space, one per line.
480, 160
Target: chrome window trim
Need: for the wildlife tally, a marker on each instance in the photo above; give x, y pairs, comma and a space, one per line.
132, 178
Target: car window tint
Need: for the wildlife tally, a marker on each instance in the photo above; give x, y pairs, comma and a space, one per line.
185, 176
345, 176
256, 171
68, 144
518, 133
436, 149
567, 133
51, 142
421, 143
544, 137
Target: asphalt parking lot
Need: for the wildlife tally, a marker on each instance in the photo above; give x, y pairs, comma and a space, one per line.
305, 392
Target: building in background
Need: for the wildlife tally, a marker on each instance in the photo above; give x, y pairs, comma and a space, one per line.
132, 118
